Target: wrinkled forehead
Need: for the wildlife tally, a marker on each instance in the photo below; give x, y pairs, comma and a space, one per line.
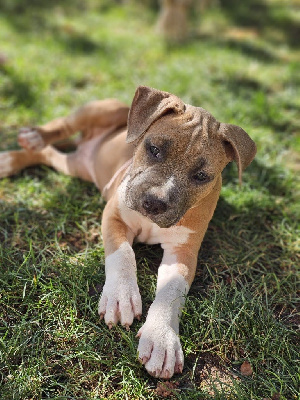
190, 140
192, 129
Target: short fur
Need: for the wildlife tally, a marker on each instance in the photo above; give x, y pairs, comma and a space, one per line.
162, 186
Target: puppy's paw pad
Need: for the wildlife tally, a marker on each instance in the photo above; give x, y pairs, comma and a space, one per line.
6, 164
30, 139
160, 351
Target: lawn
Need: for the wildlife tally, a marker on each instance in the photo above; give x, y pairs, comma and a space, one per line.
239, 326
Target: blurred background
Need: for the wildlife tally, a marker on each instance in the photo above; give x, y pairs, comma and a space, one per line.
238, 59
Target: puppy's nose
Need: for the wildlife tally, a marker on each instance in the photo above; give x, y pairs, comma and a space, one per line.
154, 206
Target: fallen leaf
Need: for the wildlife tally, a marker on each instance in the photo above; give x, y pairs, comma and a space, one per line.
246, 369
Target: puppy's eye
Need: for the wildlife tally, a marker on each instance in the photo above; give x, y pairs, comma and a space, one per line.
200, 177
154, 151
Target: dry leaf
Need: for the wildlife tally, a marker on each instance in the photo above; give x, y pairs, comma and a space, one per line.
246, 369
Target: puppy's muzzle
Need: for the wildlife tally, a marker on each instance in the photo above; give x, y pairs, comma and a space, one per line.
153, 205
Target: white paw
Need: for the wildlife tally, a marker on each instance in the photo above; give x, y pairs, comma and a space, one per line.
160, 350
30, 139
6, 164
120, 302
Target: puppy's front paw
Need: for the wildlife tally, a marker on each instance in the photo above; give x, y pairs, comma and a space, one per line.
121, 302
6, 164
30, 139
160, 350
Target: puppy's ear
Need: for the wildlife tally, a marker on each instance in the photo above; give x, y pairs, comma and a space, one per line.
147, 106
240, 147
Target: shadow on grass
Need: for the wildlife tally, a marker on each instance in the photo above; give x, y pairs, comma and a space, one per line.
16, 231
35, 17
19, 91
249, 49
262, 178
264, 19
260, 99
56, 218
262, 15
79, 43
242, 86
15, 6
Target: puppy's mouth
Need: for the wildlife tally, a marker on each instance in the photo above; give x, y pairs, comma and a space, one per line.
161, 220
157, 210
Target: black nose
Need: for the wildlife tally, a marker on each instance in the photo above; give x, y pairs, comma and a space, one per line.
154, 206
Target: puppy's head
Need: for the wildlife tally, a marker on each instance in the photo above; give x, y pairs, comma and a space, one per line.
180, 151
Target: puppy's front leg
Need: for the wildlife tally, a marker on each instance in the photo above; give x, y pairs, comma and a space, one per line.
120, 299
159, 347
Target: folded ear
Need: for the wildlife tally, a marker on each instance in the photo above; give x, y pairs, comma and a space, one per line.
242, 149
147, 106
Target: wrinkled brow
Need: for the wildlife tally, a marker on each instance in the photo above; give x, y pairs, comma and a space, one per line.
200, 163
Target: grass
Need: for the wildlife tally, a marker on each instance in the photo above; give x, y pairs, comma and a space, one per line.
243, 66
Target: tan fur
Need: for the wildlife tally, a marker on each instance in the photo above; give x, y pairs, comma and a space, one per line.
197, 219
158, 198
114, 231
94, 118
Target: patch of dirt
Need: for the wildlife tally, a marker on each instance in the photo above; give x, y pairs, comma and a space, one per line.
167, 389
95, 290
212, 376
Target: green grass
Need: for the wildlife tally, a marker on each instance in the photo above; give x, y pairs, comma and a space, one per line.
242, 64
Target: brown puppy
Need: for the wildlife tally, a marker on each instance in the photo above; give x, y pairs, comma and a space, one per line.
162, 186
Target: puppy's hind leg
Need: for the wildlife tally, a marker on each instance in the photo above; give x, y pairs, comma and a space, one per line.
67, 163
35, 139
9, 163
12, 162
57, 130
93, 118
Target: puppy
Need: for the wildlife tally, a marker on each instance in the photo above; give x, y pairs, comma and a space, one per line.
158, 165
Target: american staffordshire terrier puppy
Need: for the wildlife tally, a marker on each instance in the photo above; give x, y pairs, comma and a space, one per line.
158, 165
